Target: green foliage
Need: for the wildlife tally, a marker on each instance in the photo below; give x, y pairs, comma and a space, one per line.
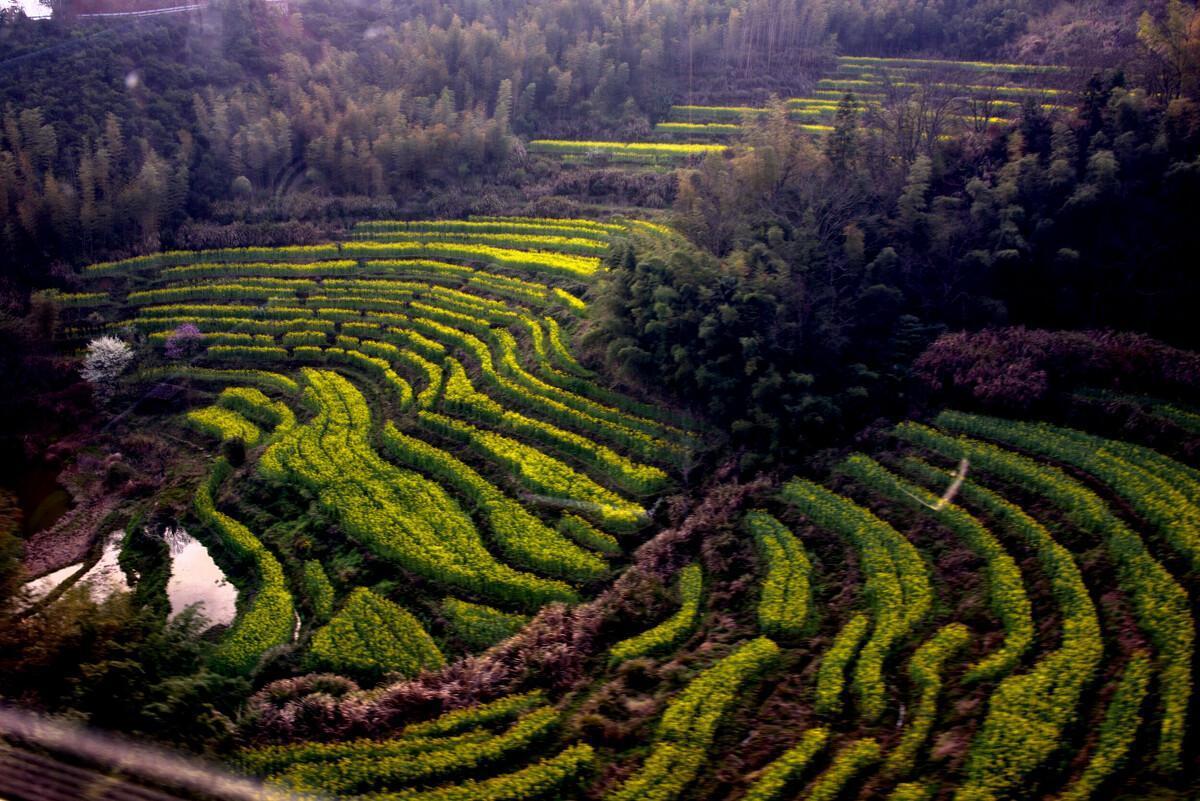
254, 405
480, 626
912, 791
690, 723
318, 590
926, 670
1117, 731
267, 620
851, 760
1046, 696
559, 352
786, 593
266, 380
897, 581
461, 397
461, 720
223, 424
775, 777
367, 772
588, 535
522, 538
394, 512
831, 678
539, 780
1005, 585
371, 636
673, 631
539, 472
652, 152
448, 731
552, 264
1027, 712
1159, 489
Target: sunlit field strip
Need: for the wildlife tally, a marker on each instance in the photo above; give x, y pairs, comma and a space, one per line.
638, 151
929, 63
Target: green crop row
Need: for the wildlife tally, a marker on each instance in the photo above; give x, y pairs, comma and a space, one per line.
673, 631
480, 626
266, 622
688, 726
159, 338
506, 286
859, 85
461, 397
254, 405
523, 226
560, 352
371, 635
539, 472
697, 128
853, 758
223, 424
1121, 721
897, 581
987, 91
462, 725
318, 591
272, 311
507, 363
1043, 700
615, 227
314, 339
1159, 603
717, 112
571, 381
1182, 417
554, 264
567, 299
930, 63
786, 597
234, 324
1006, 589
774, 779
912, 791
926, 669
357, 776
471, 717
620, 150
643, 436
1156, 491
831, 677
588, 535
523, 539
380, 368
544, 779
175, 258
549, 243
73, 300
261, 270
206, 292
396, 513
273, 381
276, 760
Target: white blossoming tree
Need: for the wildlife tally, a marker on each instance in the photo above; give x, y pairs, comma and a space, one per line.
107, 358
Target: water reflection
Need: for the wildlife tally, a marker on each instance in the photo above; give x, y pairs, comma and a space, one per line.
196, 580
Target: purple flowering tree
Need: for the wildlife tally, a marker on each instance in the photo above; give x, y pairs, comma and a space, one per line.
183, 342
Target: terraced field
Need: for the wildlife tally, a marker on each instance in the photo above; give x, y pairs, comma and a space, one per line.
970, 96
432, 410
1031, 634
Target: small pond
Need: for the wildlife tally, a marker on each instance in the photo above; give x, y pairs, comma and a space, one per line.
197, 581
